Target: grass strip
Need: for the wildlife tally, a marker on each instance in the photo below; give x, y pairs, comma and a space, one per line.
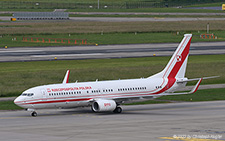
16, 77
149, 16
155, 10
106, 38
9, 105
80, 27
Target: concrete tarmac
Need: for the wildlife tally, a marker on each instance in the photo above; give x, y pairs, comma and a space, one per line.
105, 51
155, 122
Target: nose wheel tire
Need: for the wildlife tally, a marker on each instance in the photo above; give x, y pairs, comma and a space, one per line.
118, 110
34, 114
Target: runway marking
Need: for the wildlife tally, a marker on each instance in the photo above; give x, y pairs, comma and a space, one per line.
67, 55
186, 139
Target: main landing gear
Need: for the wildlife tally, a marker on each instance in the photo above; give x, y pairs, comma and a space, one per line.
34, 114
117, 110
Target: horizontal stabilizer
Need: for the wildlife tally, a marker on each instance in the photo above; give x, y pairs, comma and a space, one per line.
66, 78
195, 79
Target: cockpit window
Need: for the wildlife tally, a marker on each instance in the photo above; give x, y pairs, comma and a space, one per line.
27, 94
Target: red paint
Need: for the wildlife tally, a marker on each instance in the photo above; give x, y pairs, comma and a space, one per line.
107, 104
176, 68
71, 89
58, 101
178, 64
198, 85
67, 79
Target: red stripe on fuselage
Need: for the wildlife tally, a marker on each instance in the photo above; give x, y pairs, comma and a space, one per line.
58, 101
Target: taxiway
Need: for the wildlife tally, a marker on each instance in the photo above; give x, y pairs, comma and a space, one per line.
104, 51
157, 122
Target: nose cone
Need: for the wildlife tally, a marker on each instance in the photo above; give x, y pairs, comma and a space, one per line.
18, 101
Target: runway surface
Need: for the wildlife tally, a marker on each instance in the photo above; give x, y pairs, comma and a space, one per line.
157, 122
105, 51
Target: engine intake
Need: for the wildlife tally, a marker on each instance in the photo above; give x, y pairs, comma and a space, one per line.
104, 105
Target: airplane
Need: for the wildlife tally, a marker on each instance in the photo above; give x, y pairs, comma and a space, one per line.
107, 96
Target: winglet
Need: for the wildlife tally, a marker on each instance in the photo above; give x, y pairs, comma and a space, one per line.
66, 78
196, 86
191, 92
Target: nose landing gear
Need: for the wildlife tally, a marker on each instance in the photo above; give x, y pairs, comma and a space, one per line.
33, 112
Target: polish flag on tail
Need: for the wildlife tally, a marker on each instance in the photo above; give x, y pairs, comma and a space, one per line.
176, 67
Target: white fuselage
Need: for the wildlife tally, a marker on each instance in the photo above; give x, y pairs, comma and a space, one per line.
80, 94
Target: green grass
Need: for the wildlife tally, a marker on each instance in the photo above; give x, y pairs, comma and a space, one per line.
113, 6
208, 5
147, 16
115, 30
72, 1
8, 105
16, 77
150, 10
155, 10
27, 10
108, 38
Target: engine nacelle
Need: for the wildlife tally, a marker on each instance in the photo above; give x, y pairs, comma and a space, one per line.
104, 105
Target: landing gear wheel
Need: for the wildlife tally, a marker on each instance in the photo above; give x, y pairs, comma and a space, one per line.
34, 114
118, 110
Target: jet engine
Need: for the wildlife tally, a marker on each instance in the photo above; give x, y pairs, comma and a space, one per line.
104, 105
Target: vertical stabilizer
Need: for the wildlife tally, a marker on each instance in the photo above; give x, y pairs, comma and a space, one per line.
176, 67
